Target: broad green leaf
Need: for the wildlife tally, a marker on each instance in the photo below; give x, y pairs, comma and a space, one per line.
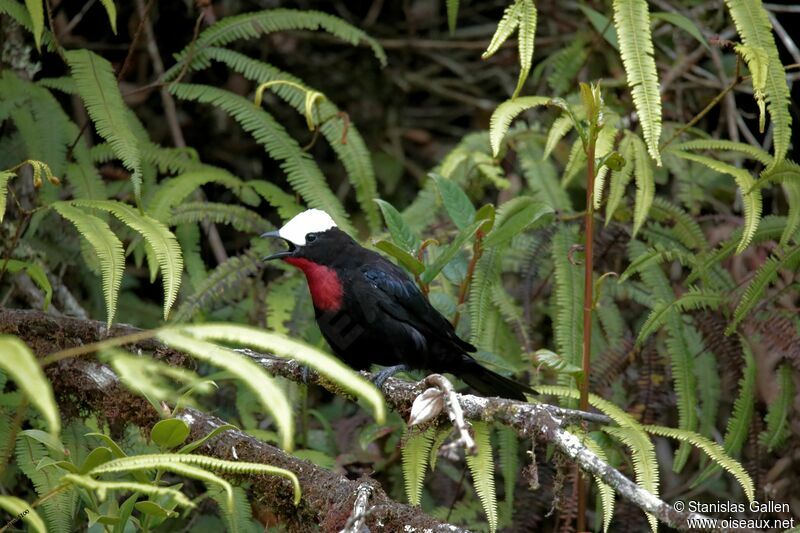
682, 22
35, 272
111, 10
169, 433
411, 263
602, 24
19, 362
450, 252
36, 11
455, 200
95, 458
401, 233
524, 213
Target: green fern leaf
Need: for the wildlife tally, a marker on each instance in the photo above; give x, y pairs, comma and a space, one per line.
691, 300
481, 467
5, 177
414, 453
283, 202
175, 190
101, 487
752, 23
656, 256
36, 12
111, 11
778, 412
59, 510
99, 90
327, 365
164, 244
452, 15
645, 184
755, 152
620, 178
567, 298
632, 21
684, 225
107, 247
241, 218
16, 507
252, 25
506, 113
508, 449
792, 189
527, 33
605, 491
301, 171
507, 25
758, 63
713, 450
763, 278
265, 388
561, 126
542, 178
21, 365
343, 137
750, 197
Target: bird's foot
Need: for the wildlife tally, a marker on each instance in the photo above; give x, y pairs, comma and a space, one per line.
380, 378
305, 372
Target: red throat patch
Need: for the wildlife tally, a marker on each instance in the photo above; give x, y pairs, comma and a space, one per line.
323, 282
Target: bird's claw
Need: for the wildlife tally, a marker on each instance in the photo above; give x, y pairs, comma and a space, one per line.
380, 378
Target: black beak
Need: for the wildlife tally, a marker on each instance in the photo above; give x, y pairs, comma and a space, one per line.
279, 255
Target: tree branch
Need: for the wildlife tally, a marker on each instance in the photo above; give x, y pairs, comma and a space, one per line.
326, 495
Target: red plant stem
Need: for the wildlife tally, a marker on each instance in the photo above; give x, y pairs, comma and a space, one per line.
477, 251
587, 312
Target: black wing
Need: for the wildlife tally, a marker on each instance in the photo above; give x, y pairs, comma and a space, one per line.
402, 299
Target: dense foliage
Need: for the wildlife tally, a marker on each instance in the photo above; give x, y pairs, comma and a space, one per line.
643, 147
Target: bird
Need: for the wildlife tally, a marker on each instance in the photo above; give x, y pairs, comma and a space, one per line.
371, 312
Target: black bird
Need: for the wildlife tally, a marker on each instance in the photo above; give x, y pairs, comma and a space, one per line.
371, 312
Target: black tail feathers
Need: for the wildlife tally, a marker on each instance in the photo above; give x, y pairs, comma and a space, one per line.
489, 383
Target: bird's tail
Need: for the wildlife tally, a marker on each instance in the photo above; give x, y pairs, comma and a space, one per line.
490, 383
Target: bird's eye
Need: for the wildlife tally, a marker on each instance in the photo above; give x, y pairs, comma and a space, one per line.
311, 237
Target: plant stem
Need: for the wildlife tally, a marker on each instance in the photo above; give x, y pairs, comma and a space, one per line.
587, 309
477, 251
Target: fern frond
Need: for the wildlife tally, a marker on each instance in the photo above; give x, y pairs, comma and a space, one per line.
102, 488
506, 113
164, 244
561, 126
763, 278
567, 298
645, 184
777, 419
631, 433
787, 173
220, 280
195, 466
686, 228
605, 491
620, 178
327, 365
507, 25
751, 198
16, 507
283, 202
508, 451
713, 450
301, 171
175, 190
5, 177
107, 247
656, 256
792, 190
691, 300
99, 90
632, 21
342, 136
256, 24
241, 218
59, 510
758, 64
712, 145
481, 467
525, 41
542, 178
36, 11
414, 452
752, 23
265, 388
